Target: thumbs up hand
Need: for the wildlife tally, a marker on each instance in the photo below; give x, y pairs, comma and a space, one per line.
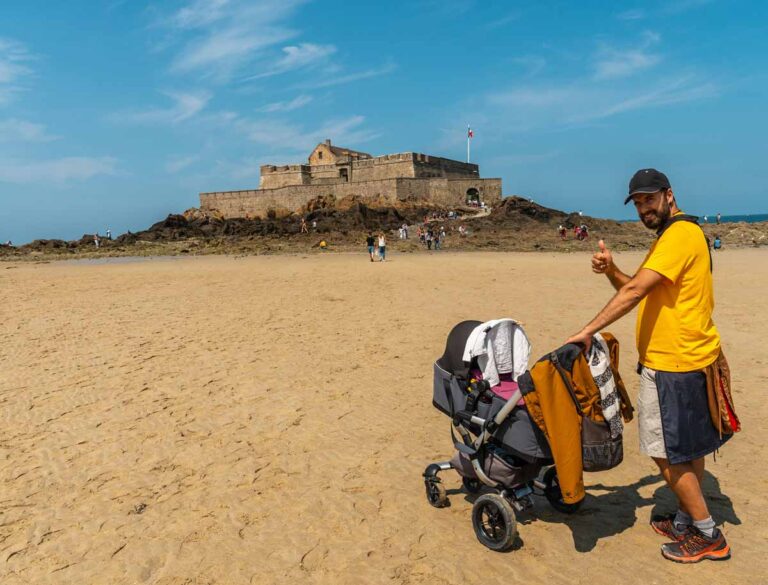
602, 261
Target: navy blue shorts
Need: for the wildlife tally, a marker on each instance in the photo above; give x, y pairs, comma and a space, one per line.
683, 410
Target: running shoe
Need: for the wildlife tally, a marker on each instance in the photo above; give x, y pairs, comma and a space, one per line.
696, 547
665, 526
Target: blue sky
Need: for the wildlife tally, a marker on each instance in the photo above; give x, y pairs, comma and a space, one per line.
116, 113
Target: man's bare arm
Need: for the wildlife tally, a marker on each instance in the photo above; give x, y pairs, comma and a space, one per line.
626, 299
617, 278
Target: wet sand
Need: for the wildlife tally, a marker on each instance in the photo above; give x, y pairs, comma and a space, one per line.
267, 420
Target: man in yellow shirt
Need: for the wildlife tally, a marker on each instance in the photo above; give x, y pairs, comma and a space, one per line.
676, 340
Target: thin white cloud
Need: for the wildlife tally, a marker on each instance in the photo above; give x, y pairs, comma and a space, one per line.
613, 63
215, 38
680, 6
283, 136
177, 164
60, 170
297, 57
503, 20
330, 81
634, 14
200, 13
14, 68
15, 130
527, 108
304, 54
289, 106
674, 92
185, 106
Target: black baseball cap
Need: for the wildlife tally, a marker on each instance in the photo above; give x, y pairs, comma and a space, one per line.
647, 181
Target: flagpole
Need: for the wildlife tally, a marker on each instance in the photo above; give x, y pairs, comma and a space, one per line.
468, 127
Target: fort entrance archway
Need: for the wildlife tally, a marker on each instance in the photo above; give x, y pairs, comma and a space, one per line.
473, 196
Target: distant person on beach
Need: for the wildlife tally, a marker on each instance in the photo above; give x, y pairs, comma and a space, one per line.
370, 242
109, 234
382, 247
561, 231
706, 219
304, 229
717, 244
96, 240
718, 218
429, 238
680, 361
314, 224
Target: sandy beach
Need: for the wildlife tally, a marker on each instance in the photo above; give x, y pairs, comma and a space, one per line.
227, 420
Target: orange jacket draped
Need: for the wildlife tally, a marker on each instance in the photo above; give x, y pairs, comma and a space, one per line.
550, 405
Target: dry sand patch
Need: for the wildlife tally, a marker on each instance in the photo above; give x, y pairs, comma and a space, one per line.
267, 420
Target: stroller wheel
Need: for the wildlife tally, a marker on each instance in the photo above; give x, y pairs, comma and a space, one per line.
436, 495
472, 485
554, 495
494, 522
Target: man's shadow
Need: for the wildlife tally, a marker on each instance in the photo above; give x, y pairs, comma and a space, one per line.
610, 510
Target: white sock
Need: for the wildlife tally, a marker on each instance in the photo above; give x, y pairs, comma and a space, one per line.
706, 526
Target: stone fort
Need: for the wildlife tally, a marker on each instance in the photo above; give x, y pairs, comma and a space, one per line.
338, 175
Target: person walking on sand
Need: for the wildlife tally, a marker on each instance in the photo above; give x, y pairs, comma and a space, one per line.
96, 240
382, 247
718, 217
679, 348
304, 229
370, 242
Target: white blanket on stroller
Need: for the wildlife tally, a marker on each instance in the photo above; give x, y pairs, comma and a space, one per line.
600, 368
501, 347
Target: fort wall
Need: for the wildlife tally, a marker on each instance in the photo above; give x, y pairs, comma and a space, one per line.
350, 170
282, 201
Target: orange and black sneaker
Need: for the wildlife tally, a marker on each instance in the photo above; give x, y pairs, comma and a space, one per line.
697, 546
665, 525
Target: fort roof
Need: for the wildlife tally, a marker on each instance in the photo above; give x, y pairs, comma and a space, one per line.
341, 151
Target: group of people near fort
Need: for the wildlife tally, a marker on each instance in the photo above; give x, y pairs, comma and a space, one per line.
581, 232
431, 236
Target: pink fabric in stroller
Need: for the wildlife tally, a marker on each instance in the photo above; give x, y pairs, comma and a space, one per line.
506, 387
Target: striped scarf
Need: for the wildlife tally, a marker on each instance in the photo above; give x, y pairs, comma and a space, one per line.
600, 368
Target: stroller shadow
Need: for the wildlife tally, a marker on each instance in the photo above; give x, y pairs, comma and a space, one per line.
614, 510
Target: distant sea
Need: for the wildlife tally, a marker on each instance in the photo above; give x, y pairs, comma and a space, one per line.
749, 218
752, 218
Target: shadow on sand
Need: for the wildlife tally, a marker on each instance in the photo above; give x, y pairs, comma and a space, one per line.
610, 510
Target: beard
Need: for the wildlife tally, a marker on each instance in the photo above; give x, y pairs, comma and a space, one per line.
656, 218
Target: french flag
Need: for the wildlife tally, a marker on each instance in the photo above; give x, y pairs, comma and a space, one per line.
470, 134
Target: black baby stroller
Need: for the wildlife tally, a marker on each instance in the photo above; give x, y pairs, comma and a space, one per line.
499, 446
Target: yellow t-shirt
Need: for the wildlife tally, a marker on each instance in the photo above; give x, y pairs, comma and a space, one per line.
675, 331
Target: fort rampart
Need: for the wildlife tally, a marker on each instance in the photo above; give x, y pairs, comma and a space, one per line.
402, 191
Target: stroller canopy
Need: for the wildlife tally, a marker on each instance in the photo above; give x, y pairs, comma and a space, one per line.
498, 347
